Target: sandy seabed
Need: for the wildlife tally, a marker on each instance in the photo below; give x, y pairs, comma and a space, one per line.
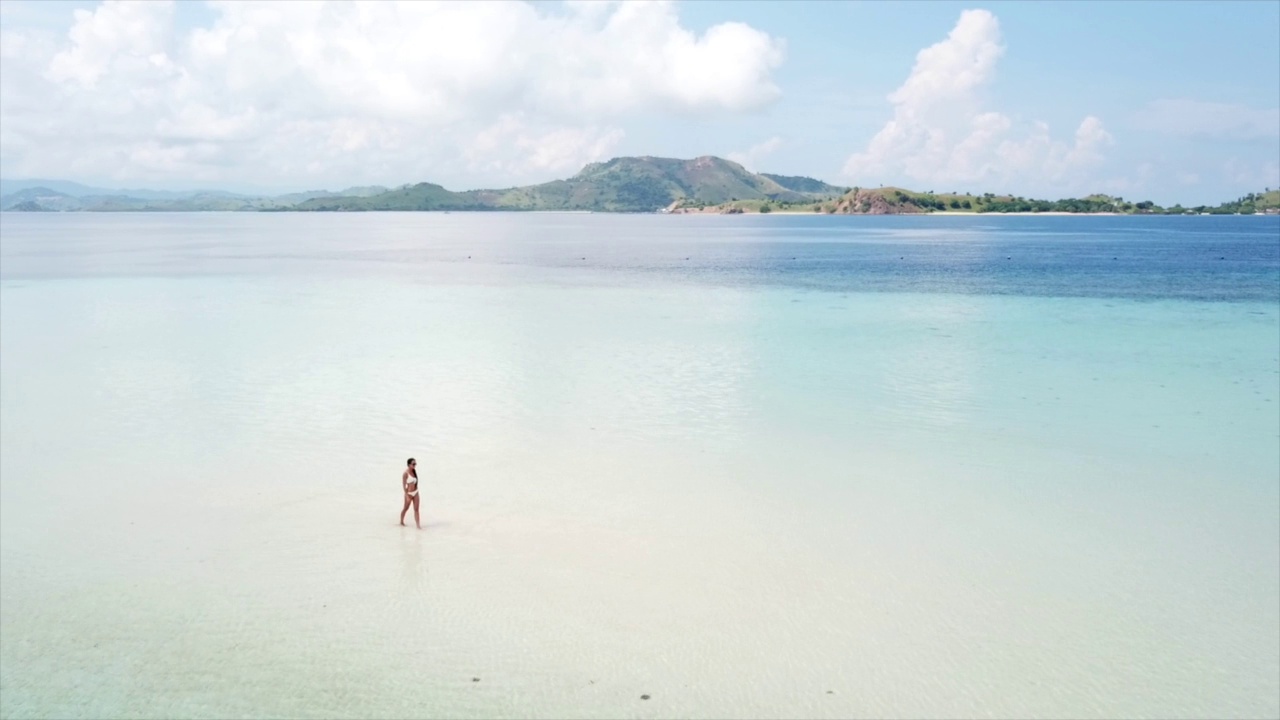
785, 504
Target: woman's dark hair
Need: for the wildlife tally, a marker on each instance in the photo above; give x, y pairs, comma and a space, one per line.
410, 462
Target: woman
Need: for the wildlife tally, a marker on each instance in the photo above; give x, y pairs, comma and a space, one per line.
409, 481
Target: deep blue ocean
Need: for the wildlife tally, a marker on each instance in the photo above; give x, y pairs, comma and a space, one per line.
1208, 258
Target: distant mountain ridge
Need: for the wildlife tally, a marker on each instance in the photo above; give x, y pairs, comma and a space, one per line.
704, 184
625, 184
64, 196
79, 190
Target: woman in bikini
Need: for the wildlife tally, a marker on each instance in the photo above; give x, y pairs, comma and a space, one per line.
409, 480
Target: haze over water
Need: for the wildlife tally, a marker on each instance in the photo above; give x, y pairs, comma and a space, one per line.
748, 466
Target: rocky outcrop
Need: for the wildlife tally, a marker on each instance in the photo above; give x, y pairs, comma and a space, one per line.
876, 202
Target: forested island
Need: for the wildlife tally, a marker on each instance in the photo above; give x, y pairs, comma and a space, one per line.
706, 185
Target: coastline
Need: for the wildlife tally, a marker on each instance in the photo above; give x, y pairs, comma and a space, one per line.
929, 214
1051, 213
703, 185
952, 213
705, 213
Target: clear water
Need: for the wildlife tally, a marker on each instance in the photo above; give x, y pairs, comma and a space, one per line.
757, 467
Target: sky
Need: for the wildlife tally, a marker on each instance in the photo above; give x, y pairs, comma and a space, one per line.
1176, 102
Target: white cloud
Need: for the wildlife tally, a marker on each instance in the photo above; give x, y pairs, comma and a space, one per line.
118, 37
1037, 153
952, 69
309, 93
752, 156
1194, 119
554, 150
940, 132
1252, 174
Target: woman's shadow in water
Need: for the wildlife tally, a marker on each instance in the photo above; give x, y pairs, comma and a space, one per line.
413, 564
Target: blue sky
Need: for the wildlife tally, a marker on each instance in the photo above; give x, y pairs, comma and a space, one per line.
1171, 101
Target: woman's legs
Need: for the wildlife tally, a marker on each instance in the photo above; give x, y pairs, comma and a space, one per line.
405, 509
415, 512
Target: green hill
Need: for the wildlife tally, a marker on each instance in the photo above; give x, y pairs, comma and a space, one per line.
423, 196
627, 184
802, 184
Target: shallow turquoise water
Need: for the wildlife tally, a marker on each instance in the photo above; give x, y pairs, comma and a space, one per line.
734, 482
